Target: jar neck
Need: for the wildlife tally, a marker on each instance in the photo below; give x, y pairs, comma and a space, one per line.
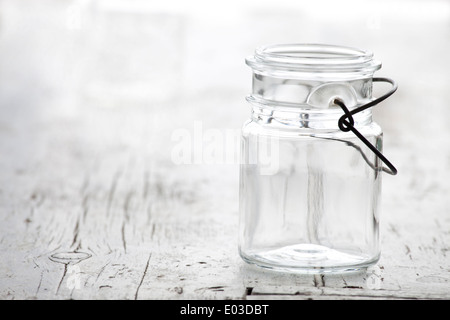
284, 117
313, 92
297, 84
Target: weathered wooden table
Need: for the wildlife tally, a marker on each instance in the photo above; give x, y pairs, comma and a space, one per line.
95, 202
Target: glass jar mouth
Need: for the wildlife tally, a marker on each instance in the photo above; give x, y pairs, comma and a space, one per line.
312, 58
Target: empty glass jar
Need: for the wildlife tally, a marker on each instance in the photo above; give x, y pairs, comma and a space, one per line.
309, 192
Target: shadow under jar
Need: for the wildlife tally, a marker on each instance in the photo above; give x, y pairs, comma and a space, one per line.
309, 192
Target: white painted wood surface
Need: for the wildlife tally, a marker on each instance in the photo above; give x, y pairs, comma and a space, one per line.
92, 205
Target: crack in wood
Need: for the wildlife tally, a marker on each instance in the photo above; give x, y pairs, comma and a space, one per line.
152, 232
297, 293
40, 283
142, 278
75, 233
124, 243
343, 280
126, 207
101, 271
408, 252
319, 280
217, 288
62, 279
85, 206
105, 286
112, 191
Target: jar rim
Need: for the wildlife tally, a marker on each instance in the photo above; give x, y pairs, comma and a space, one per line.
312, 58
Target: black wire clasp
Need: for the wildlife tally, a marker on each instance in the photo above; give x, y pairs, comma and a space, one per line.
346, 122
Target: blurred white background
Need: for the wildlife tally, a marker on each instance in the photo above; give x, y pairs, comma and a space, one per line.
145, 68
113, 53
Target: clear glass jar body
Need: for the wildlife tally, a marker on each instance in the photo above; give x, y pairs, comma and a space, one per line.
309, 192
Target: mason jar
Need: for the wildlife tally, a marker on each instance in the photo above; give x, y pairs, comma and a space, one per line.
309, 191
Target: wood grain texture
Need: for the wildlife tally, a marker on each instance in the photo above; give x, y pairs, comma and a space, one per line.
92, 205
